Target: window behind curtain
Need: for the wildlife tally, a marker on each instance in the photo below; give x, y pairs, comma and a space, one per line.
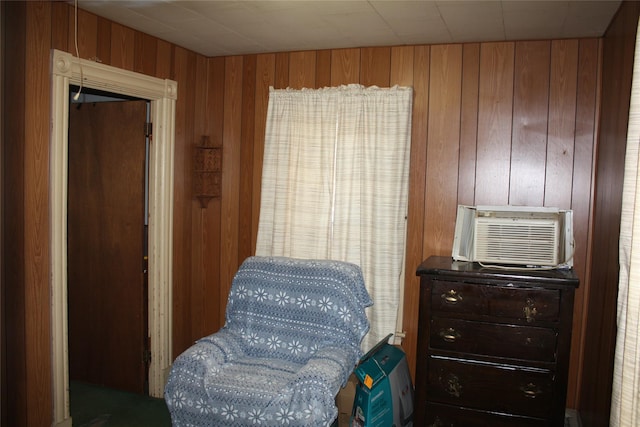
335, 186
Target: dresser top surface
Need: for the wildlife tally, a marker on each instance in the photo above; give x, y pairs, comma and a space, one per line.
446, 266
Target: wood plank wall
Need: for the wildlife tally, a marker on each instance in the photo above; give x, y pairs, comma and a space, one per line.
25, 218
493, 123
14, 403
619, 44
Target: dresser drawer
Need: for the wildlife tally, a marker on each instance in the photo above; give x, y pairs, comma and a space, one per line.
507, 302
496, 388
492, 339
438, 415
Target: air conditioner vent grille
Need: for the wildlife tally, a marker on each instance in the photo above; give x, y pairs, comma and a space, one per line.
522, 241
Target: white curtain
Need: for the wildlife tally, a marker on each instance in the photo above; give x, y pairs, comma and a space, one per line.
335, 185
625, 397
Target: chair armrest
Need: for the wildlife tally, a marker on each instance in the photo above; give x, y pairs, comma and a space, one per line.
228, 344
205, 357
332, 364
313, 390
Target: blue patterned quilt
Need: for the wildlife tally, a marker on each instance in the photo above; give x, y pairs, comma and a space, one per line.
291, 338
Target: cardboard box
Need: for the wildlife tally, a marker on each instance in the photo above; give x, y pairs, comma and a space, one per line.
384, 395
344, 401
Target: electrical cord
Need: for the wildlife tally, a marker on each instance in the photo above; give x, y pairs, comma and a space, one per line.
75, 38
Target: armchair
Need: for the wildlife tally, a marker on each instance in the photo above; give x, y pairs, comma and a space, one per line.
291, 338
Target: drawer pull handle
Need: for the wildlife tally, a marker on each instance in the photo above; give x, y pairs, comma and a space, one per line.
451, 297
531, 391
453, 386
530, 311
450, 335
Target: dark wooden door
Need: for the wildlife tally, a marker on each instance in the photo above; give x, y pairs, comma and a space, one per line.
106, 281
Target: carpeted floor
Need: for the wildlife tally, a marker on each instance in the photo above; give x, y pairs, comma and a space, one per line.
95, 406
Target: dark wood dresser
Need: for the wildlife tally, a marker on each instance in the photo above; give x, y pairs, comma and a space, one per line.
493, 345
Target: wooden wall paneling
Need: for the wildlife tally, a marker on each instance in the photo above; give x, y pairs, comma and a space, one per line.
198, 214
210, 217
302, 69
600, 339
468, 123
323, 68
401, 73
415, 214
401, 66
191, 91
599, 346
495, 108
122, 46
529, 133
598, 356
183, 75
3, 189
198, 281
561, 147
247, 139
13, 215
443, 141
164, 61
60, 26
265, 77
36, 211
231, 168
213, 317
144, 58
375, 63
345, 66
582, 193
562, 123
103, 42
282, 70
87, 33
215, 103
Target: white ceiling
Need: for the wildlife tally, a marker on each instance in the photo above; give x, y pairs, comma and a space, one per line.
220, 28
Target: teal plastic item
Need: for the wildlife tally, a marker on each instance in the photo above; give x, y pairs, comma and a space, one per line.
384, 396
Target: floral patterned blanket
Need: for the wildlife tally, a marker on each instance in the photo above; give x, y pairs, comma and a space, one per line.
291, 338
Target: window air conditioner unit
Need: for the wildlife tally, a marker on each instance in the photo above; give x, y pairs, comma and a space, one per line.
529, 236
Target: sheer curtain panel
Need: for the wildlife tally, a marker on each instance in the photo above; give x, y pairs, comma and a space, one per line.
625, 396
335, 185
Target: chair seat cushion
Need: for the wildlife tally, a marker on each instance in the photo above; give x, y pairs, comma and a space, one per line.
214, 384
249, 380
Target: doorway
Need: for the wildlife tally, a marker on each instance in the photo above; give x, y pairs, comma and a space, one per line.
106, 235
162, 93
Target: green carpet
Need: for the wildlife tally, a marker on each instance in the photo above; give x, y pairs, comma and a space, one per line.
95, 406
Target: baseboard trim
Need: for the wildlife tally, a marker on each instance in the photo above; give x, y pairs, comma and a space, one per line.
65, 423
572, 418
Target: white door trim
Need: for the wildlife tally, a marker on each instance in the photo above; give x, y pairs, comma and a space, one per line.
162, 93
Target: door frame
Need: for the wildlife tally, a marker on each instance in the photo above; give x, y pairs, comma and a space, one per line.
68, 70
